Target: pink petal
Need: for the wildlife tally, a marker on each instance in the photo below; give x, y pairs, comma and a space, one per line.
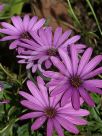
71, 40
48, 33
39, 24
73, 119
58, 127
26, 21
35, 92
95, 82
64, 37
80, 46
54, 82
50, 128
6, 38
55, 99
43, 89
2, 7
36, 38
73, 112
32, 43
34, 68
66, 60
40, 63
14, 44
90, 87
67, 125
57, 35
38, 123
29, 65
59, 65
31, 115
9, 32
24, 45
31, 105
92, 64
48, 64
66, 96
93, 73
74, 58
86, 97
17, 22
52, 74
20, 22
75, 99
31, 98
43, 37
22, 61
84, 60
9, 27
32, 22
59, 89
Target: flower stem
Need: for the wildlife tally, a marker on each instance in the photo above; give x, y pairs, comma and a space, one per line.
8, 74
95, 17
36, 133
73, 14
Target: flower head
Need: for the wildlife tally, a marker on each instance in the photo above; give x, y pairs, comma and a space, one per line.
75, 77
4, 101
47, 109
45, 45
1, 7
20, 29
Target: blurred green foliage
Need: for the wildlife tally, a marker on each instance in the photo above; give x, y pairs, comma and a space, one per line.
11, 7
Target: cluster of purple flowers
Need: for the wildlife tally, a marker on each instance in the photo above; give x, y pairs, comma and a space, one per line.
60, 57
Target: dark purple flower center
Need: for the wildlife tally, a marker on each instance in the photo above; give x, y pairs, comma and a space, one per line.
52, 52
50, 112
25, 35
75, 81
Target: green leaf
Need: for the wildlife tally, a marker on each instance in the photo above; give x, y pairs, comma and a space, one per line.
16, 9
23, 130
7, 131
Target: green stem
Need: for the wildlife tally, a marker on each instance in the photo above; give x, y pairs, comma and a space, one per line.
8, 74
70, 26
95, 17
36, 133
72, 11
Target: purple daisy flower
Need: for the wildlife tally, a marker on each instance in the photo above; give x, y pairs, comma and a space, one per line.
75, 77
45, 45
20, 29
4, 102
1, 7
47, 109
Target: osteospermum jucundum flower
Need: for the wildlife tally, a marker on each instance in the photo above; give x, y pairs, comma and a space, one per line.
4, 102
47, 109
45, 45
1, 7
20, 28
75, 77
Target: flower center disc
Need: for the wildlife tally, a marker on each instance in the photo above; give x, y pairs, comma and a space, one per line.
52, 52
75, 81
25, 35
50, 112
